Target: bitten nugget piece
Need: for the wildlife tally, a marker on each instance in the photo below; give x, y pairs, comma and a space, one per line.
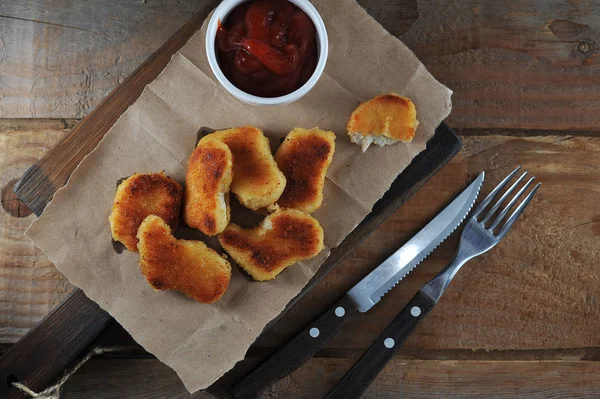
207, 182
139, 196
304, 158
383, 120
257, 181
282, 239
186, 266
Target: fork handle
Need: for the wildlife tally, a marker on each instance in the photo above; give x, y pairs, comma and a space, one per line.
364, 371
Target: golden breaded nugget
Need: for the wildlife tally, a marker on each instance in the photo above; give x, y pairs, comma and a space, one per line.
186, 266
257, 181
304, 157
207, 182
383, 120
282, 239
139, 196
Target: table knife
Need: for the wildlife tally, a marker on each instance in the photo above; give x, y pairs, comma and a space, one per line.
362, 297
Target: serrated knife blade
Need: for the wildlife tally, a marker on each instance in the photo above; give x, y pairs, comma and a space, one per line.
384, 277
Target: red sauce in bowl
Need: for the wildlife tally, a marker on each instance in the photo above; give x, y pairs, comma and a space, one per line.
267, 48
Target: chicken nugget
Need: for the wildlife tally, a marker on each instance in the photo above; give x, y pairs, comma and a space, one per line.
282, 239
209, 174
141, 195
186, 266
257, 181
304, 157
383, 120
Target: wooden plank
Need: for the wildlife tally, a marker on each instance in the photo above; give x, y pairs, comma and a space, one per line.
537, 290
132, 379
60, 59
37, 124
143, 379
531, 64
30, 286
451, 379
526, 64
396, 16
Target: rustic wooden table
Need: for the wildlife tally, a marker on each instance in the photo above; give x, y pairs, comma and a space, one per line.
522, 320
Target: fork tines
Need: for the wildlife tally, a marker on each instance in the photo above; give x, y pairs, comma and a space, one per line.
479, 211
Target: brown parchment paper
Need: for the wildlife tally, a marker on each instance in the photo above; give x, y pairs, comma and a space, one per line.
201, 342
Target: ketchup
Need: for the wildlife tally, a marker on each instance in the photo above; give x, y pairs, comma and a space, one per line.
267, 48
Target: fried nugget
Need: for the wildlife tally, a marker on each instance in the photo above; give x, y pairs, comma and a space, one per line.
257, 181
209, 174
282, 239
139, 196
304, 157
186, 266
383, 120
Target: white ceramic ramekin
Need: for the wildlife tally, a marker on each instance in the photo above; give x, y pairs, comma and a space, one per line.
221, 13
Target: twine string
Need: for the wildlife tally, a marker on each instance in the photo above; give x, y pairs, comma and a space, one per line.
53, 391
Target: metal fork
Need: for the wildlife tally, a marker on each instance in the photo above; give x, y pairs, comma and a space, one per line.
476, 238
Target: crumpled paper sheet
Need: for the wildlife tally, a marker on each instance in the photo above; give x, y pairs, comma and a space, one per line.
201, 342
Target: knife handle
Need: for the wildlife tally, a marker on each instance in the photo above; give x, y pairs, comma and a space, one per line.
364, 371
296, 351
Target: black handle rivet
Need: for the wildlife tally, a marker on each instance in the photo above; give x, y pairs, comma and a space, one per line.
314, 332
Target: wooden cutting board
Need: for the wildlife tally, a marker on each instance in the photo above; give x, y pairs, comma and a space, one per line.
74, 325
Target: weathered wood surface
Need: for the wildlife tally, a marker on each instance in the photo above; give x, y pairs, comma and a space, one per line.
520, 64
60, 60
402, 378
30, 286
528, 64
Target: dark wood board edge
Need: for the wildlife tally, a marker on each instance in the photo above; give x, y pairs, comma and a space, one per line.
41, 181
41, 356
